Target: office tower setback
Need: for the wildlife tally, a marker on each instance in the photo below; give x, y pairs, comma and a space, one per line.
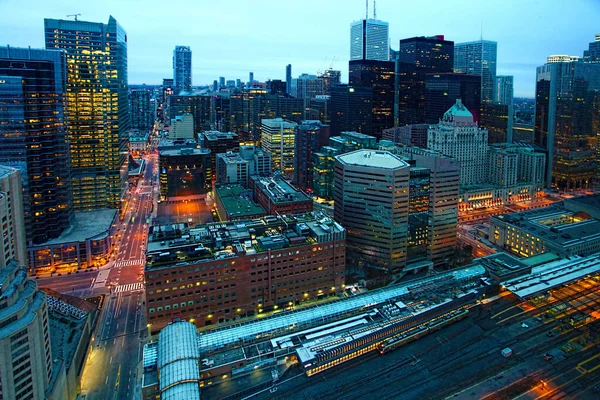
458, 136
443, 89
12, 215
278, 141
371, 202
310, 137
567, 112
330, 78
307, 86
288, 78
478, 58
380, 77
182, 69
33, 138
369, 40
417, 57
142, 109
351, 109
97, 109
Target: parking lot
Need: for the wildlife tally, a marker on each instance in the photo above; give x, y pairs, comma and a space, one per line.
193, 212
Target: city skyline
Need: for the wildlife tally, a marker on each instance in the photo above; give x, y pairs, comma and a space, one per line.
151, 37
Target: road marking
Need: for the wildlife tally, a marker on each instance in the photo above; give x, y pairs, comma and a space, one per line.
110, 362
127, 263
130, 287
106, 381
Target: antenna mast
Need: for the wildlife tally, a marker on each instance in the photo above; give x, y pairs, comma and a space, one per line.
374, 9
367, 9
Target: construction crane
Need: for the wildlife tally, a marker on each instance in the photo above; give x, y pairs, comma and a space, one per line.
73, 15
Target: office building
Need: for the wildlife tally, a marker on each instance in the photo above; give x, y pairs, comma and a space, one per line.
276, 86
504, 89
417, 57
234, 203
34, 138
199, 106
13, 216
371, 202
592, 54
218, 143
443, 89
319, 108
351, 109
288, 78
478, 58
458, 136
238, 167
163, 107
380, 77
184, 173
566, 229
97, 109
278, 140
277, 195
182, 69
222, 82
182, 127
496, 119
242, 253
407, 135
251, 79
369, 40
307, 86
142, 109
567, 110
330, 78
311, 135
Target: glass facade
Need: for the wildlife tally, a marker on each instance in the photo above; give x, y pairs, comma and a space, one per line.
33, 137
443, 89
478, 58
182, 68
418, 215
185, 173
351, 109
369, 40
97, 113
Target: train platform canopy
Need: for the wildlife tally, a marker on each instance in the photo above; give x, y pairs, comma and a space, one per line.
553, 274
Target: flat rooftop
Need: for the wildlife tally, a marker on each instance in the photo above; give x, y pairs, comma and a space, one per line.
236, 201
555, 225
85, 225
177, 243
185, 151
373, 159
502, 264
553, 274
279, 190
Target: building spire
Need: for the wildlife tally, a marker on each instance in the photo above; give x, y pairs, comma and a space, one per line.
374, 9
367, 9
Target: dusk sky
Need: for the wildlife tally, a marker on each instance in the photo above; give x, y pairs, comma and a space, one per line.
232, 37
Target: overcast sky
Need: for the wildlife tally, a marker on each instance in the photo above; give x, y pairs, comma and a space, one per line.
232, 37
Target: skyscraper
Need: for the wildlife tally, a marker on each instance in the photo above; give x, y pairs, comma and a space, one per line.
369, 40
221, 82
307, 86
443, 89
33, 137
371, 202
380, 77
182, 68
13, 217
97, 108
278, 140
142, 107
330, 78
419, 56
288, 77
504, 89
458, 136
567, 113
592, 54
310, 137
251, 79
478, 58
351, 109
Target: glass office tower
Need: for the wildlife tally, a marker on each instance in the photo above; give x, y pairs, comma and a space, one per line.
478, 58
182, 68
33, 137
97, 108
369, 40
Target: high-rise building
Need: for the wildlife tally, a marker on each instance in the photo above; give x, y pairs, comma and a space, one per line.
221, 82
238, 167
25, 353
182, 127
182, 69
12, 215
167, 92
369, 40
97, 108
142, 109
307, 86
478, 58
592, 54
371, 202
417, 57
200, 106
251, 79
276, 86
495, 118
407, 135
351, 109
458, 136
218, 143
330, 78
34, 137
311, 135
278, 140
504, 89
443, 89
567, 112
288, 78
380, 77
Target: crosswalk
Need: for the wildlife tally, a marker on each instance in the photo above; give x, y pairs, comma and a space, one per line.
127, 263
130, 287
